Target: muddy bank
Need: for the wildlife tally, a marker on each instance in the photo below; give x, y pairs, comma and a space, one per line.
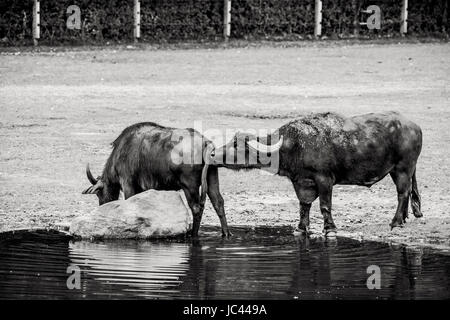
61, 110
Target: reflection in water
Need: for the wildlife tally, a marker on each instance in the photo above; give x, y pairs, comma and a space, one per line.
144, 268
266, 263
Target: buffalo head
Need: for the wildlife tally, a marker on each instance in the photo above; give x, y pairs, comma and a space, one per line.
97, 187
247, 151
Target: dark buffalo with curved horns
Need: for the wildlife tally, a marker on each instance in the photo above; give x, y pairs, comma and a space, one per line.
149, 156
321, 150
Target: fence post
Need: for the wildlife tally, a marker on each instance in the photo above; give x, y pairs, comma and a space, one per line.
356, 10
318, 18
226, 19
137, 20
404, 18
36, 21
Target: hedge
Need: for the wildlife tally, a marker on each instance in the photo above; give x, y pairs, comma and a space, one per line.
173, 20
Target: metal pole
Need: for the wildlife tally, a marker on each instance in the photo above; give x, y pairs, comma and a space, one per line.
137, 20
318, 18
36, 21
356, 9
226, 19
404, 18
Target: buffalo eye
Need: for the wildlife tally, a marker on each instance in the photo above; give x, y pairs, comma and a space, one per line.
213, 153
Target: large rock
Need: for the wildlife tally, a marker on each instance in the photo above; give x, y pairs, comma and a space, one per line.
150, 214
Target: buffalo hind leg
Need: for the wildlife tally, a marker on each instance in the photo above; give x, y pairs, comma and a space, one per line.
415, 197
402, 182
306, 194
217, 200
193, 200
325, 188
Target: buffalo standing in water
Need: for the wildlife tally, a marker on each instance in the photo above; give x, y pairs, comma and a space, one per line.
149, 156
320, 150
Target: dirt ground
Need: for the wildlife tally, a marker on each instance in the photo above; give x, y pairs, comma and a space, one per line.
60, 110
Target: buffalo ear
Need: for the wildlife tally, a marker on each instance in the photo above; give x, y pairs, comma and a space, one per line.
93, 189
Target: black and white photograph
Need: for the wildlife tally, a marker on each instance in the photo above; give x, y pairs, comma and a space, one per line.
218, 156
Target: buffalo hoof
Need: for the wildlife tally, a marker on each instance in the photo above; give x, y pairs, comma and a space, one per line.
227, 235
330, 233
301, 232
418, 214
194, 235
396, 223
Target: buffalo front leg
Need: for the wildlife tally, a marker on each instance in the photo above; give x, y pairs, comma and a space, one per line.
304, 217
193, 200
306, 192
325, 189
217, 200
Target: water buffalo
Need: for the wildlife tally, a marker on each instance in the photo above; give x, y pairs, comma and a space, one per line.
320, 150
149, 156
